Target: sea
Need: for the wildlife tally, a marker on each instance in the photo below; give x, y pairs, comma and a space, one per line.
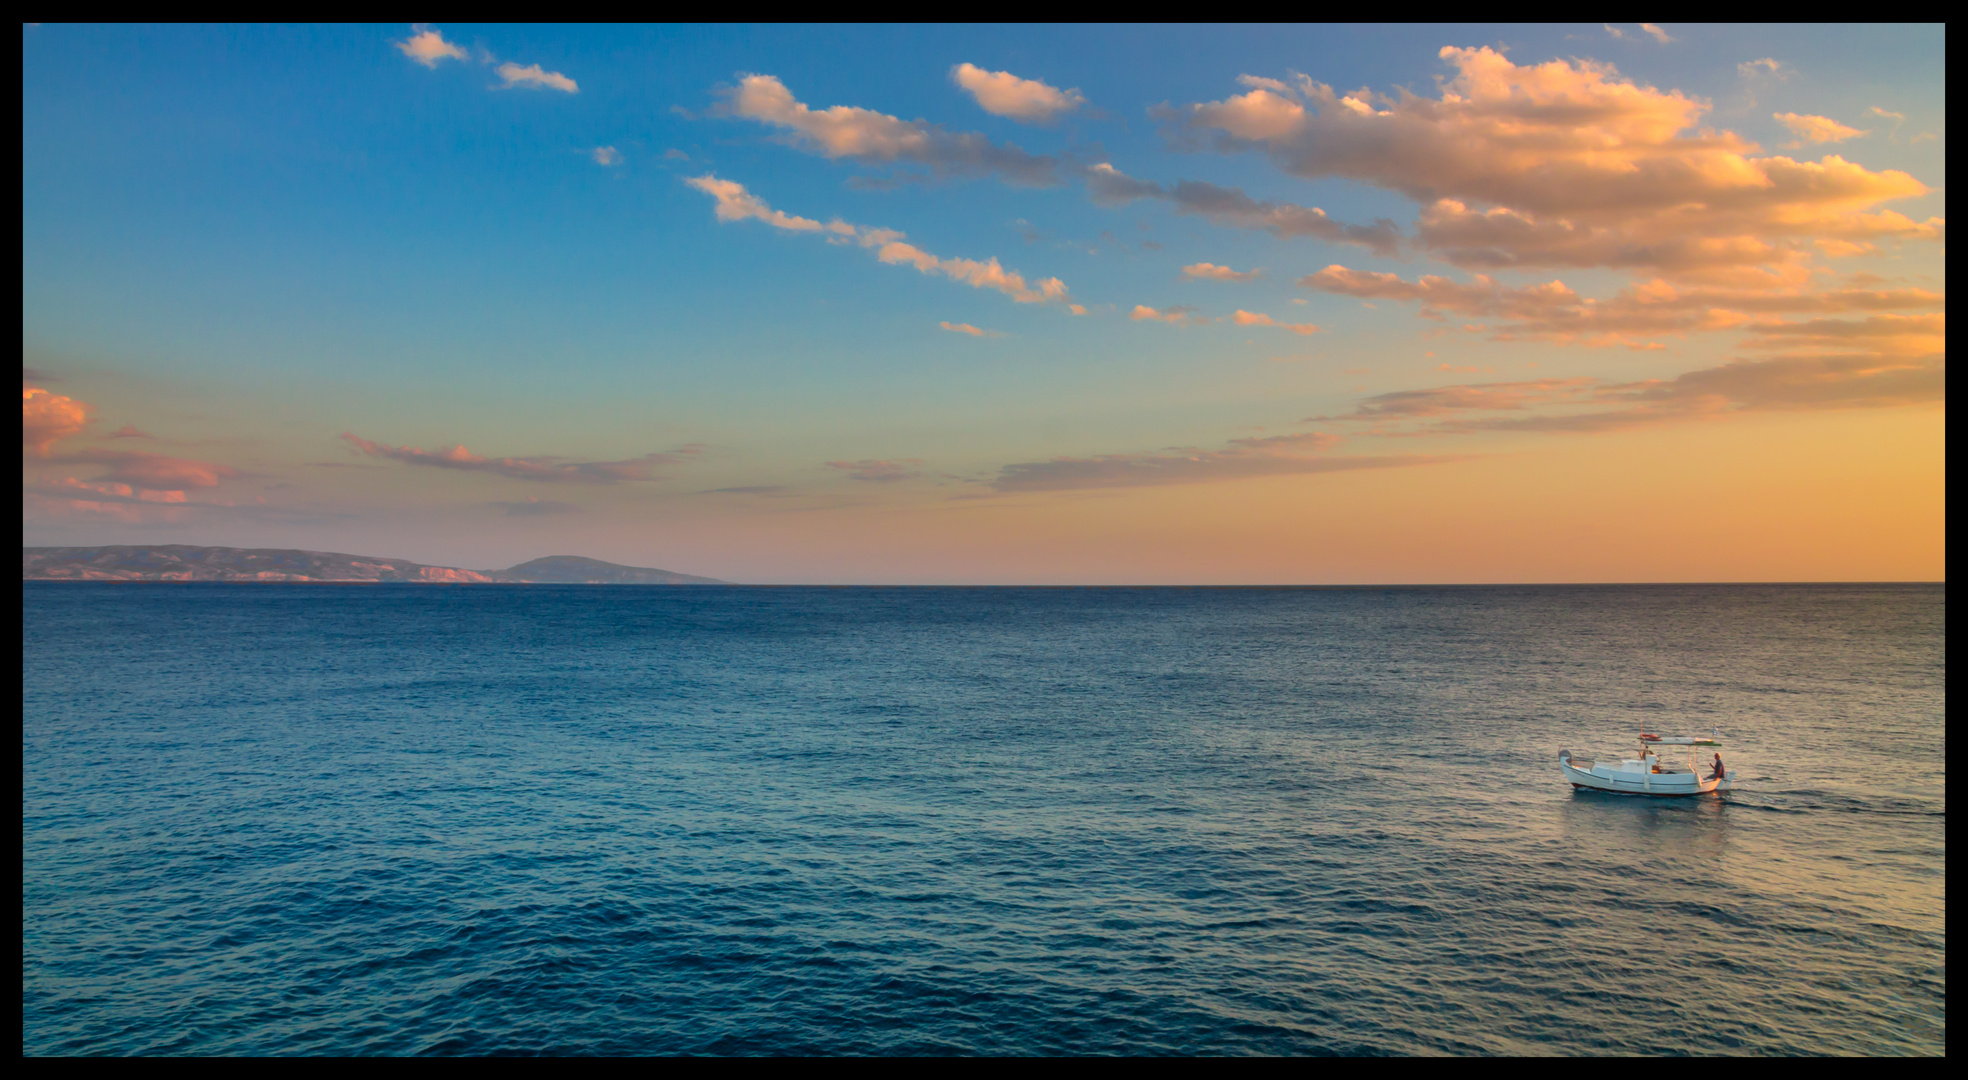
416, 819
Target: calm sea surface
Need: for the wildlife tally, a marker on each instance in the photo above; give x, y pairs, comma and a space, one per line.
538, 819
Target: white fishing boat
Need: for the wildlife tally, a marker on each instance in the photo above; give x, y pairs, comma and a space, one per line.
1646, 773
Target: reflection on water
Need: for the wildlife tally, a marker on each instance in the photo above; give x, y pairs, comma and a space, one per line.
272, 819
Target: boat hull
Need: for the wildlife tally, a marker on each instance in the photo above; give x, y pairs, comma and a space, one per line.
1671, 785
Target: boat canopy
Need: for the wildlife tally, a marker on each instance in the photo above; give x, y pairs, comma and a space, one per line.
1680, 740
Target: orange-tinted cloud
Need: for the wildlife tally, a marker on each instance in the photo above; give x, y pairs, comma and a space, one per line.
158, 472
1231, 207
1001, 93
966, 328
988, 274
1481, 397
1277, 455
1212, 272
734, 203
532, 507
534, 77
1816, 129
1179, 315
1886, 335
1787, 383
886, 471
1553, 312
876, 138
70, 497
47, 418
1252, 318
428, 47
1564, 163
542, 468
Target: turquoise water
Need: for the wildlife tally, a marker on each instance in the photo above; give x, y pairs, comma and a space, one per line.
539, 819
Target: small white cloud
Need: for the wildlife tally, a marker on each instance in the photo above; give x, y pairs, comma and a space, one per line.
1766, 66
428, 47
1001, 93
1656, 32
606, 155
533, 77
1614, 30
966, 328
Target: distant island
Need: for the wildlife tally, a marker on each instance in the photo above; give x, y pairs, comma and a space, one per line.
181, 562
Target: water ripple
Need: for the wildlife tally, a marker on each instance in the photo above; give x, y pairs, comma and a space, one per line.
530, 820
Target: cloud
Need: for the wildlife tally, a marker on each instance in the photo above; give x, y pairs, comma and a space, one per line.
879, 472
533, 77
49, 418
1563, 163
70, 497
734, 203
1553, 312
1750, 69
542, 468
981, 275
156, 472
1895, 372
1886, 335
1816, 129
1231, 207
1849, 380
966, 328
1484, 397
1213, 272
1001, 93
129, 431
1615, 31
606, 155
428, 47
1179, 315
1252, 318
1656, 32
1111, 187
1277, 455
1228, 206
531, 507
875, 138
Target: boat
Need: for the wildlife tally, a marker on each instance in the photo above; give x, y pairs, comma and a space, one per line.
1645, 773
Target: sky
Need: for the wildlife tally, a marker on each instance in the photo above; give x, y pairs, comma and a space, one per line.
1001, 305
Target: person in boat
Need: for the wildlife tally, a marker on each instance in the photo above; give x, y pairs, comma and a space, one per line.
1719, 774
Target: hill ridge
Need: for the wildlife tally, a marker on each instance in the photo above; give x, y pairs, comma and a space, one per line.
192, 562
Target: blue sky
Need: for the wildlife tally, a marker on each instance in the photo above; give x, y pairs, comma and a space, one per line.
248, 241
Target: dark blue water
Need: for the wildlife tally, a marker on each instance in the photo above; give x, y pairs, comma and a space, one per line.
538, 819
